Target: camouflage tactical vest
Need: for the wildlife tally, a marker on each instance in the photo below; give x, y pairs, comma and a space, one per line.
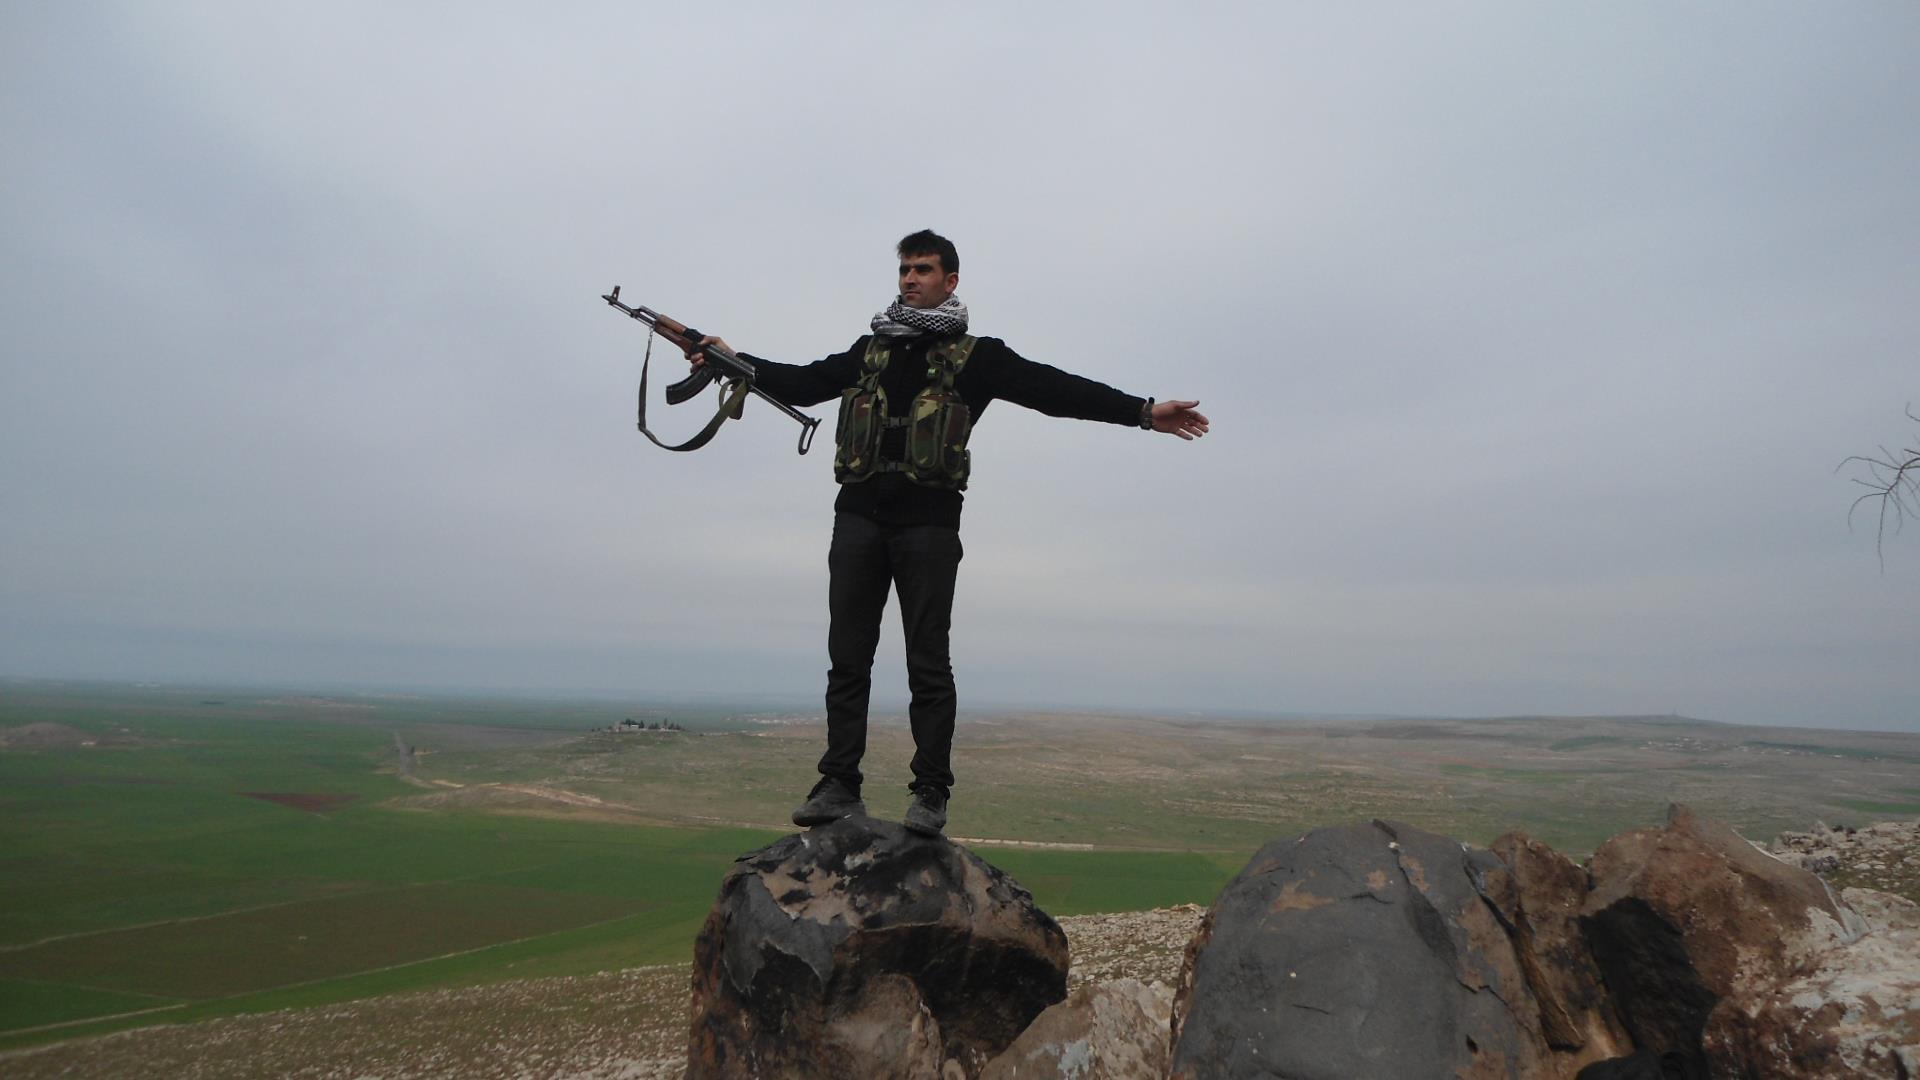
937, 421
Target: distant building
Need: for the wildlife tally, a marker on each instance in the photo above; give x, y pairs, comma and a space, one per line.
630, 724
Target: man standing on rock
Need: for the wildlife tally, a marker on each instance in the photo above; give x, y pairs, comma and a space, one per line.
910, 393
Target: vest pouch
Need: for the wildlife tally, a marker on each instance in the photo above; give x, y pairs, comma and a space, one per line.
937, 440
857, 436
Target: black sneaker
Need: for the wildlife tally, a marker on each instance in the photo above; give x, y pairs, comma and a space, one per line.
927, 813
830, 800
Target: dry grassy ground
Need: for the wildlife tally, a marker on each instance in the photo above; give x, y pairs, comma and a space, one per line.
1170, 783
627, 1024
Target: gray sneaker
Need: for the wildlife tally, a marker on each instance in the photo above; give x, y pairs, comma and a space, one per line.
927, 813
830, 800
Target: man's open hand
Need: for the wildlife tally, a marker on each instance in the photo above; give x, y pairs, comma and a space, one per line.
1179, 418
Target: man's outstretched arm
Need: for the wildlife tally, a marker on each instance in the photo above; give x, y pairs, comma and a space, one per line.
1049, 390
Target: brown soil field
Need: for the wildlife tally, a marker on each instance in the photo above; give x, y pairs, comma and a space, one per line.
42, 736
48, 735
411, 923
311, 802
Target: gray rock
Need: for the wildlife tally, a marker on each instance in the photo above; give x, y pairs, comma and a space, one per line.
1364, 951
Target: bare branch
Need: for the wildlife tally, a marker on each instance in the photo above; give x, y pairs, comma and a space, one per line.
1893, 481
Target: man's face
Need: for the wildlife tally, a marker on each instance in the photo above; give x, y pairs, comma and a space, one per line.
923, 284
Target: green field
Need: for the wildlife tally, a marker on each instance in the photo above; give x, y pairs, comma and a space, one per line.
168, 872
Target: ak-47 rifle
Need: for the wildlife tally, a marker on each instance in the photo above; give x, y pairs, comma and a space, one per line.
720, 364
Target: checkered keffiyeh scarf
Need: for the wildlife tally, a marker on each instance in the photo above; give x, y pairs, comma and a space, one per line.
899, 320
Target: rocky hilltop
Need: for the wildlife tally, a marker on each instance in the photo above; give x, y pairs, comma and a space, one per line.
1680, 951
1883, 856
1374, 950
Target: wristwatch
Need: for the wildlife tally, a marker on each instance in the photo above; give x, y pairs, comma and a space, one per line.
1146, 416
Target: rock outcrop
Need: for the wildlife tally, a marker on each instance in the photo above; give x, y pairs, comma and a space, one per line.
1110, 1029
1368, 951
1679, 952
1689, 920
1855, 1013
1883, 856
859, 950
1540, 895
1380, 950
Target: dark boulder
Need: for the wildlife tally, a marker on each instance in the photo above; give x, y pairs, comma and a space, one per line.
859, 949
1359, 951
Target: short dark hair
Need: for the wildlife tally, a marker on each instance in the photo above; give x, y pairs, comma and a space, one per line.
928, 242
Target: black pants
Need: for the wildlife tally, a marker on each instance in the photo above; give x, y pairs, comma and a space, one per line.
920, 562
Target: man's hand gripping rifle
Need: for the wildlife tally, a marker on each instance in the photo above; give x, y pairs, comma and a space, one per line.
718, 362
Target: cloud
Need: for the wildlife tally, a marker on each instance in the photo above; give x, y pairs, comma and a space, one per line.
1531, 336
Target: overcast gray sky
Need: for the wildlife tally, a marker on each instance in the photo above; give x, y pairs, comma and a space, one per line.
1531, 334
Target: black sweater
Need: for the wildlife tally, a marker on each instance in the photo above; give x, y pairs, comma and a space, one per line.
993, 371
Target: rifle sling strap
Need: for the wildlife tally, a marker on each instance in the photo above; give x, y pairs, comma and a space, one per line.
730, 402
